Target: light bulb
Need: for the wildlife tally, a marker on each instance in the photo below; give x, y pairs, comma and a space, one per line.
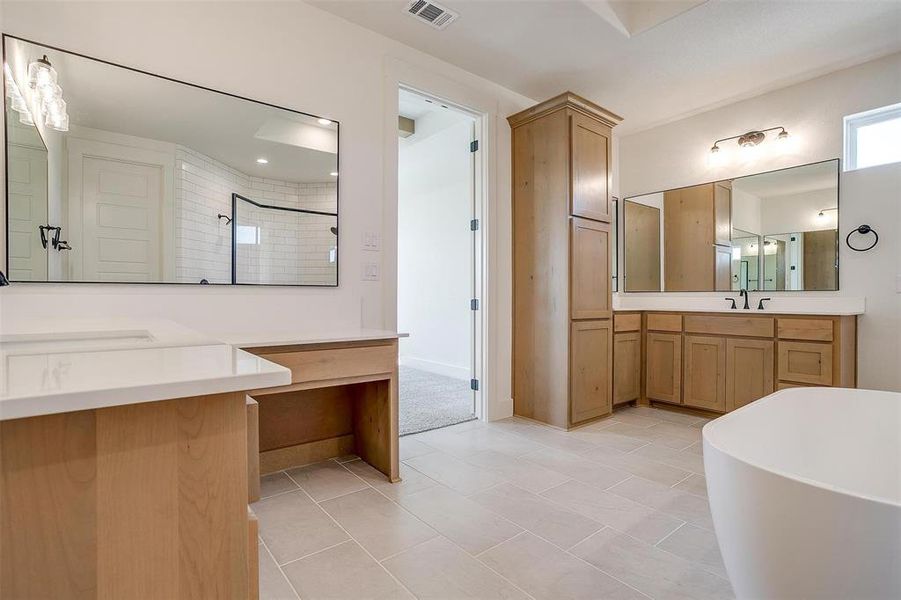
262, 161
334, 173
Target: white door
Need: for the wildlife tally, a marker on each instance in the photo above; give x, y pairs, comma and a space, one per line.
27, 211
121, 212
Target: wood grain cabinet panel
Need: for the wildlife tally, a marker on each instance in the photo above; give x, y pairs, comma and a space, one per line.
749, 371
590, 168
591, 346
819, 330
626, 367
704, 375
664, 367
627, 322
664, 322
805, 362
590, 269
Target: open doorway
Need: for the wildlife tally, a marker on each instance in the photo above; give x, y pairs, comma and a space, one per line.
439, 250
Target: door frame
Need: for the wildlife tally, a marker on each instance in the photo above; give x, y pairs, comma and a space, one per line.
124, 149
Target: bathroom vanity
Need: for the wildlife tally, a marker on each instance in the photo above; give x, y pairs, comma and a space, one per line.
129, 451
720, 361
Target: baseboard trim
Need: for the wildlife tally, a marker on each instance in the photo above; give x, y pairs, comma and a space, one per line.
438, 368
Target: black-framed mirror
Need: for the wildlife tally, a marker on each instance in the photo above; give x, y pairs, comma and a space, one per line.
771, 231
140, 175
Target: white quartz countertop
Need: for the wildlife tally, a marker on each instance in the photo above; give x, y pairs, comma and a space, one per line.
786, 304
52, 366
298, 338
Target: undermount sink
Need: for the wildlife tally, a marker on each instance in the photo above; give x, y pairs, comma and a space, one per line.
74, 340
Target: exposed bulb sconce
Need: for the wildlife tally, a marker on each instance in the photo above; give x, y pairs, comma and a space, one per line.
751, 138
821, 216
48, 100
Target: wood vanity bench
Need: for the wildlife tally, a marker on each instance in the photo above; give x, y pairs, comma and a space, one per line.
342, 399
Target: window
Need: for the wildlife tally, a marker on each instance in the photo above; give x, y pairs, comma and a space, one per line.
247, 234
873, 138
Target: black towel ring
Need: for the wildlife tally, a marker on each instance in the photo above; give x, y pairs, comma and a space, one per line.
863, 230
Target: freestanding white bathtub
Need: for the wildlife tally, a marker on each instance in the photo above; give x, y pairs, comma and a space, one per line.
805, 491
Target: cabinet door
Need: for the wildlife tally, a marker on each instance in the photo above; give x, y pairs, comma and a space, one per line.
626, 367
664, 367
590, 385
749, 371
805, 362
705, 372
590, 143
589, 269
722, 268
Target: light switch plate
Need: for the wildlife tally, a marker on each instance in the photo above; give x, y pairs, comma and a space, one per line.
370, 271
371, 241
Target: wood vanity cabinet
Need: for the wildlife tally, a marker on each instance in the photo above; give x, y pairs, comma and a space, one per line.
720, 362
627, 355
704, 376
562, 317
697, 225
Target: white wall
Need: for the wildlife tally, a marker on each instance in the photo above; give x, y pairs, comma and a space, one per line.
435, 248
335, 69
797, 212
675, 155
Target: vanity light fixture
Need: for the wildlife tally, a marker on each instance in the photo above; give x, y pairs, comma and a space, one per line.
41, 74
821, 216
751, 138
262, 161
16, 100
324, 122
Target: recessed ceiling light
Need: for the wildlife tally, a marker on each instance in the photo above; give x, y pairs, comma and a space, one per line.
334, 173
324, 122
262, 161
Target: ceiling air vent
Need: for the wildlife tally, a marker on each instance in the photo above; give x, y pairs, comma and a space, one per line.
434, 14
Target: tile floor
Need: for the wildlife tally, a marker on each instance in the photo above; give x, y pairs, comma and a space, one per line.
510, 509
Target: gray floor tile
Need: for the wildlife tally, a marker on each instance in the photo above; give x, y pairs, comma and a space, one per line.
342, 573
378, 524
698, 546
637, 465
542, 517
275, 483
696, 484
411, 480
526, 475
548, 573
638, 520
439, 570
292, 526
411, 447
454, 472
273, 585
577, 467
326, 480
675, 458
682, 505
453, 515
651, 570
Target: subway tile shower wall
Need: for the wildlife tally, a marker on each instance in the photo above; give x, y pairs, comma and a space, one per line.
291, 248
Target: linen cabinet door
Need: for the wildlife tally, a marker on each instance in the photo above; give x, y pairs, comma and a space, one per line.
590, 148
705, 372
749, 371
626, 367
664, 367
589, 269
590, 371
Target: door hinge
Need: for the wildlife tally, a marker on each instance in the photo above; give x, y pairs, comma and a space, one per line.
474, 146
474, 385
474, 225
474, 304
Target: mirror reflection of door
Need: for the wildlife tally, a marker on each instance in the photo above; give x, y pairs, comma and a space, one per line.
27, 188
642, 255
819, 260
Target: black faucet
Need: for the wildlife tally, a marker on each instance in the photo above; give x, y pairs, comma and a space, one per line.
3, 280
760, 304
744, 294
732, 300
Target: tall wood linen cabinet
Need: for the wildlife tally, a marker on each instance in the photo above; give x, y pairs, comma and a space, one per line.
562, 317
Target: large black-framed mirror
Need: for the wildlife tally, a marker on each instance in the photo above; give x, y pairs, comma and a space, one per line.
770, 231
140, 171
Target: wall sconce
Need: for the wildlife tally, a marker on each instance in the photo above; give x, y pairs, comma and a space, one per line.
751, 138
822, 217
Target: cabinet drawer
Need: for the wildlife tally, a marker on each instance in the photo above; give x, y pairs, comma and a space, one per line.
805, 362
627, 322
663, 322
818, 330
331, 363
746, 326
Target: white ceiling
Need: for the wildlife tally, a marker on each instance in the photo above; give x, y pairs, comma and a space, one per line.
233, 131
649, 61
